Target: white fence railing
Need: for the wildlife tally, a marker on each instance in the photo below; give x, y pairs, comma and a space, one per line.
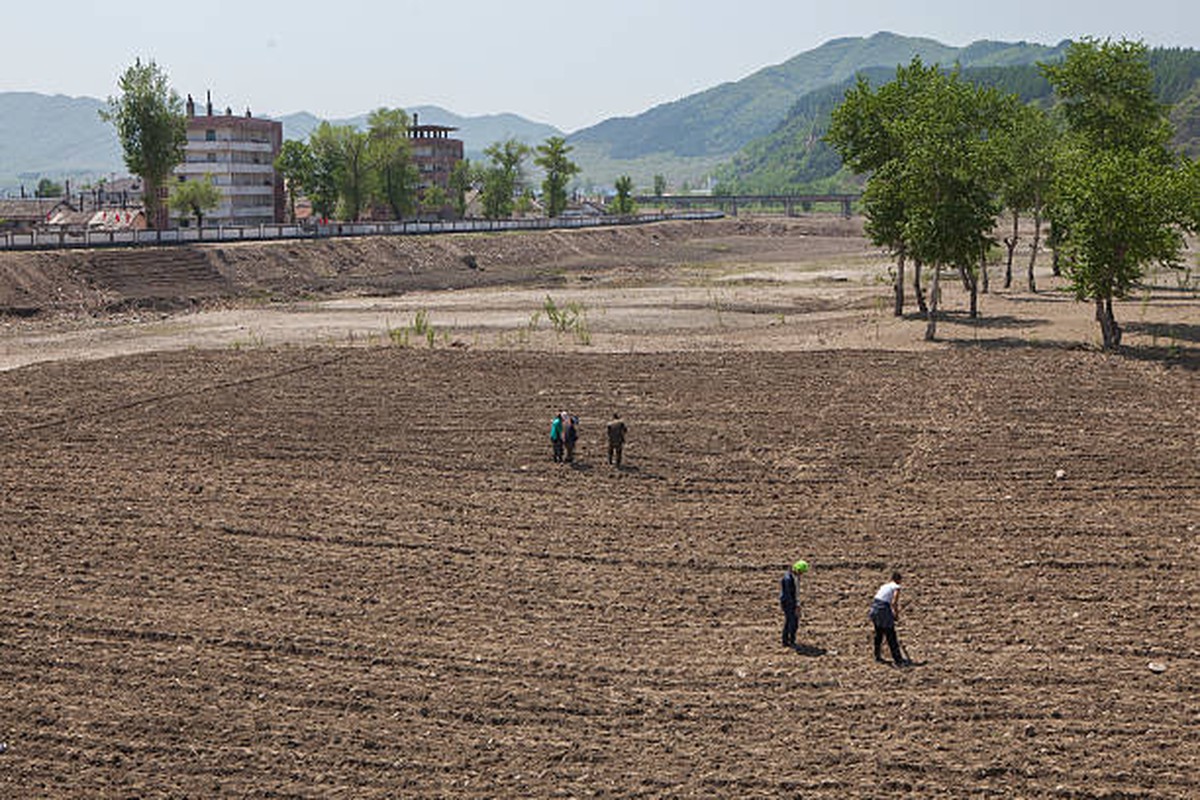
53, 240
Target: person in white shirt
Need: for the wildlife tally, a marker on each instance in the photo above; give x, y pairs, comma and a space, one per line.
885, 611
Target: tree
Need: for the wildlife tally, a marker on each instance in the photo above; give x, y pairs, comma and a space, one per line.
195, 198
355, 175
623, 203
434, 199
552, 157
860, 132
461, 182
323, 188
927, 141
1027, 144
503, 179
295, 164
340, 171
151, 127
48, 188
1122, 199
660, 185
390, 158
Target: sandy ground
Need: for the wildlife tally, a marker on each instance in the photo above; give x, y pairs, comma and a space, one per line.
795, 285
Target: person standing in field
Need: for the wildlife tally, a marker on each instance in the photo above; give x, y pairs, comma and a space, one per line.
789, 603
556, 437
570, 435
884, 613
615, 433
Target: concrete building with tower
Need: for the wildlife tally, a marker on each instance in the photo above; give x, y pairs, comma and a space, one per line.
238, 152
434, 153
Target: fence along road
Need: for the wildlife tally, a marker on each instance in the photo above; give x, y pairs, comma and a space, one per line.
53, 240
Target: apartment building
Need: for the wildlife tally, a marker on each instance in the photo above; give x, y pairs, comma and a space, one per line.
239, 153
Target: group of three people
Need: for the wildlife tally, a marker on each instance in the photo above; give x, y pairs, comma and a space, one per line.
564, 433
884, 612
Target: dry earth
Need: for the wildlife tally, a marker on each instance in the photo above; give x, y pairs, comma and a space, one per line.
245, 553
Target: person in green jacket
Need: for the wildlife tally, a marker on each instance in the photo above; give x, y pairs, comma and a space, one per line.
556, 437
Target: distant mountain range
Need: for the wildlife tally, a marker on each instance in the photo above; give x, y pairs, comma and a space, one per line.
764, 123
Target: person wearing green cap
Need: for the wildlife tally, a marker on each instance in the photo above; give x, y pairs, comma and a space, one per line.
787, 601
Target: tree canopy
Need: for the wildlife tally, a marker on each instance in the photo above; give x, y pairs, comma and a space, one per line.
395, 176
151, 128
1122, 198
552, 156
295, 164
195, 198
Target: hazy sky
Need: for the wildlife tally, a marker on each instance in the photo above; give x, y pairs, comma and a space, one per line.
570, 64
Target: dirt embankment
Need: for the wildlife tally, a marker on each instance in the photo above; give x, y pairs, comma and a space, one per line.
93, 282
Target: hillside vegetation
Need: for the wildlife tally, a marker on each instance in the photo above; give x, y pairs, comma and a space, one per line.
722, 119
794, 157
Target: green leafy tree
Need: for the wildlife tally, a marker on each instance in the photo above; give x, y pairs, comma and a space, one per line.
623, 203
503, 179
325, 179
295, 164
48, 188
552, 156
341, 158
927, 141
390, 157
195, 198
660, 185
151, 128
356, 173
434, 199
1122, 199
461, 183
1027, 143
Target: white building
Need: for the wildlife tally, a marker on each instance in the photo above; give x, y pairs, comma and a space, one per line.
238, 152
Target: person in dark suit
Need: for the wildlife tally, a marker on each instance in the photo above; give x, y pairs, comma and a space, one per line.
788, 602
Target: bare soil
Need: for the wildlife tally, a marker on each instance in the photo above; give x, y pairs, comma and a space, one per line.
246, 554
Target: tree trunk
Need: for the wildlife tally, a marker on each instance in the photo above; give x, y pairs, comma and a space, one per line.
934, 292
899, 287
983, 270
1109, 329
918, 291
1033, 248
1011, 243
973, 288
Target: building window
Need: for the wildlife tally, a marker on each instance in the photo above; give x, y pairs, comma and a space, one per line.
210, 136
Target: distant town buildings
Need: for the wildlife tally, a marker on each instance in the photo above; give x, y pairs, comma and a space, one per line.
238, 152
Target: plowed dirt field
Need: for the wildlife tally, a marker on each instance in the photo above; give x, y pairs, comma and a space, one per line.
315, 571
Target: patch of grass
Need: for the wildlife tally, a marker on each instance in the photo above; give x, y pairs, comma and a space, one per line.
419, 328
571, 318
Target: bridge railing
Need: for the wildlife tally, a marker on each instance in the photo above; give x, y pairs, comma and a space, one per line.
732, 202
53, 240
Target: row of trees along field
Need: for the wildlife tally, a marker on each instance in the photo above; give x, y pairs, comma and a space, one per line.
945, 157
342, 170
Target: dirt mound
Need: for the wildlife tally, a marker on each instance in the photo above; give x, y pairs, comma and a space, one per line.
96, 281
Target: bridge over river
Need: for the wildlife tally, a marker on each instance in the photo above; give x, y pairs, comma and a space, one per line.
729, 203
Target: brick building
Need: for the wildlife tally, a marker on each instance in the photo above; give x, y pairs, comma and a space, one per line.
434, 153
239, 152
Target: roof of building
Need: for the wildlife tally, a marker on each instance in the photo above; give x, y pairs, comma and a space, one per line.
31, 209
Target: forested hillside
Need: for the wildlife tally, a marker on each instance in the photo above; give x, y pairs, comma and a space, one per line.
794, 157
57, 136
722, 119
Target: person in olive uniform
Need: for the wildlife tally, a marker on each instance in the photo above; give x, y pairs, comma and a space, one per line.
615, 432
